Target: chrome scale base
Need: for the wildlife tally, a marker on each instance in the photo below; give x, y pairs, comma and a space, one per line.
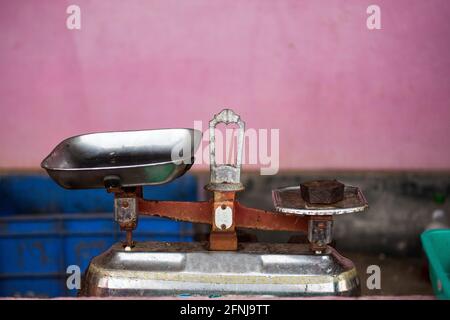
171, 269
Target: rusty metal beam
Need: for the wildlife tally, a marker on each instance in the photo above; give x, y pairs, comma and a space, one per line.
266, 220
200, 212
196, 212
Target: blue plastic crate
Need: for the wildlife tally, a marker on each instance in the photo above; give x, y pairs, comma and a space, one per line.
36, 249
26, 194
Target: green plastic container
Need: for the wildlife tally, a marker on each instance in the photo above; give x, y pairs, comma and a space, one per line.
436, 244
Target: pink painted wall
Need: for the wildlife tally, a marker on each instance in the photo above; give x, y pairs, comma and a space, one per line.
343, 97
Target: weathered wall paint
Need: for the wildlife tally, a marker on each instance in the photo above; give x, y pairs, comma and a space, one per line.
343, 96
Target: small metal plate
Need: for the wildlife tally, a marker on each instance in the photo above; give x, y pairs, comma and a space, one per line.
289, 200
170, 269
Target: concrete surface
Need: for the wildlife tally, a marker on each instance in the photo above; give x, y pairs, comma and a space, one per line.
400, 276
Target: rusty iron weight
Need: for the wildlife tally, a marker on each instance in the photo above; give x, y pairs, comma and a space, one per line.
322, 191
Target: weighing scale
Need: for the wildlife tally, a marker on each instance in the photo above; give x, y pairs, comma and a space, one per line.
123, 162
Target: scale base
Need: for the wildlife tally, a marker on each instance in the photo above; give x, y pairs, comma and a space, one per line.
172, 269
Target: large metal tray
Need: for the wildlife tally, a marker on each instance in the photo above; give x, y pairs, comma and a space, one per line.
171, 269
130, 158
289, 200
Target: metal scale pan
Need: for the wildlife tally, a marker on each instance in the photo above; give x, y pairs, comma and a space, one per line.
123, 158
289, 200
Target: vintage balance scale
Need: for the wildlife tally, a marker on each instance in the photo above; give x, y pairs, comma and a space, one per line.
123, 162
